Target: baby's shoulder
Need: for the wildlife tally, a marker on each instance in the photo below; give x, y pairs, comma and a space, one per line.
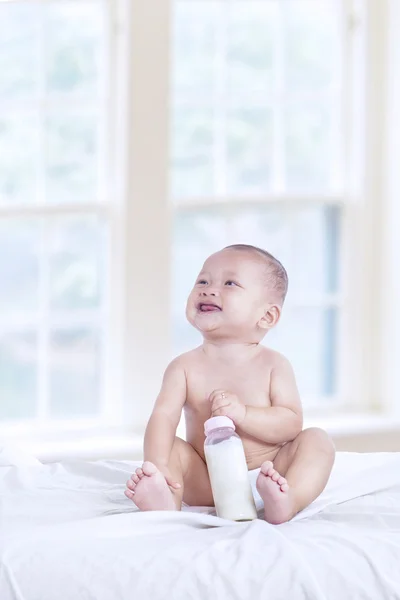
273, 359
185, 360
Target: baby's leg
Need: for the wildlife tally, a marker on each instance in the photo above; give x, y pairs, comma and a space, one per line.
298, 475
149, 490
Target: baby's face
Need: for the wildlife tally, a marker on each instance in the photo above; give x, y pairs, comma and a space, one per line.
230, 295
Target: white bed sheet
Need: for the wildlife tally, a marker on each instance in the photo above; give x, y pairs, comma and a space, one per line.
67, 532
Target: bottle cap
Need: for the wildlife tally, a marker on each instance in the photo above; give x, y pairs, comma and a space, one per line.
216, 423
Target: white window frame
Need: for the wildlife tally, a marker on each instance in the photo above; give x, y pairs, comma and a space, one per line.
388, 339
364, 29
361, 341
353, 17
109, 209
140, 259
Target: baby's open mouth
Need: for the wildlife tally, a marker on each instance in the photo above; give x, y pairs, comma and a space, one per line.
208, 307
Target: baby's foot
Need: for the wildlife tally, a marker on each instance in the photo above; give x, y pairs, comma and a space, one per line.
274, 490
148, 489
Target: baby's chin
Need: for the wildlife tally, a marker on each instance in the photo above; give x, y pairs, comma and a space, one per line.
205, 325
213, 326
206, 322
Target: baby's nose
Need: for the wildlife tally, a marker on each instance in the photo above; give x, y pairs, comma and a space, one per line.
209, 292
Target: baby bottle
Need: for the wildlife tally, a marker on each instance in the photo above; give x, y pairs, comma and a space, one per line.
227, 468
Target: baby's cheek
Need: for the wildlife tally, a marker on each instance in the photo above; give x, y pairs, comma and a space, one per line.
190, 307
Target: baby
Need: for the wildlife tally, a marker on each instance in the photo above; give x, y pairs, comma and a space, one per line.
236, 300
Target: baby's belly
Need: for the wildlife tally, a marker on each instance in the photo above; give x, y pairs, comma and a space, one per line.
256, 451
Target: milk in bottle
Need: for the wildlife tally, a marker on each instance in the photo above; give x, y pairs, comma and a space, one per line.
227, 468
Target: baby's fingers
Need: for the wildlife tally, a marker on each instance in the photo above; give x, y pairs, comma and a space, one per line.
173, 484
216, 394
220, 411
219, 405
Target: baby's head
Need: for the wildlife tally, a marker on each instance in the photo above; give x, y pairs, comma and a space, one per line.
238, 294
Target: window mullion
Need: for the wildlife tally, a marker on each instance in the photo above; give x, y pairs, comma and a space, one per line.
247, 202
106, 96
147, 229
278, 158
112, 314
102, 209
43, 320
220, 100
42, 89
43, 323
339, 98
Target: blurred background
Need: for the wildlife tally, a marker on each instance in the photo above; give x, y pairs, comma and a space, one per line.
139, 136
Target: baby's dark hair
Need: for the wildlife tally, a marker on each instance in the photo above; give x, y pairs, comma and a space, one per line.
277, 275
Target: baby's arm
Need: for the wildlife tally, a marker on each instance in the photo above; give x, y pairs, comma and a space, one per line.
161, 428
283, 420
275, 424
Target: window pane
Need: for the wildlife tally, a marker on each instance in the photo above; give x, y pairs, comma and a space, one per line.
309, 151
19, 266
19, 149
52, 97
54, 58
74, 35
268, 73
74, 373
193, 146
312, 44
71, 158
306, 241
249, 151
306, 336
315, 254
18, 375
19, 31
250, 51
77, 263
194, 39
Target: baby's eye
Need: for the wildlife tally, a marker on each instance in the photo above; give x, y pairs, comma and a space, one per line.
202, 282
230, 282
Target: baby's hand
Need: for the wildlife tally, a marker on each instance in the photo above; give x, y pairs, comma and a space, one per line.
226, 404
168, 478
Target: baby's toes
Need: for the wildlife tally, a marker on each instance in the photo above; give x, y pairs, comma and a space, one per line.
129, 494
139, 473
284, 487
275, 476
148, 468
131, 484
281, 480
135, 478
267, 468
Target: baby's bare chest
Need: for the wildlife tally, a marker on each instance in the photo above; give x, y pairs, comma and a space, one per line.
251, 385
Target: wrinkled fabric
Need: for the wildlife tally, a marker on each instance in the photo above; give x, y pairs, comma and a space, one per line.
67, 532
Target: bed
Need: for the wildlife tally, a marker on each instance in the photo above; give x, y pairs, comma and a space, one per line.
67, 532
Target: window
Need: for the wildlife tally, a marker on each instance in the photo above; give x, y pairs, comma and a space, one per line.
258, 157
262, 148
54, 221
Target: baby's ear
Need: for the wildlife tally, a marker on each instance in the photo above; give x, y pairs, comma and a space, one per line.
271, 317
